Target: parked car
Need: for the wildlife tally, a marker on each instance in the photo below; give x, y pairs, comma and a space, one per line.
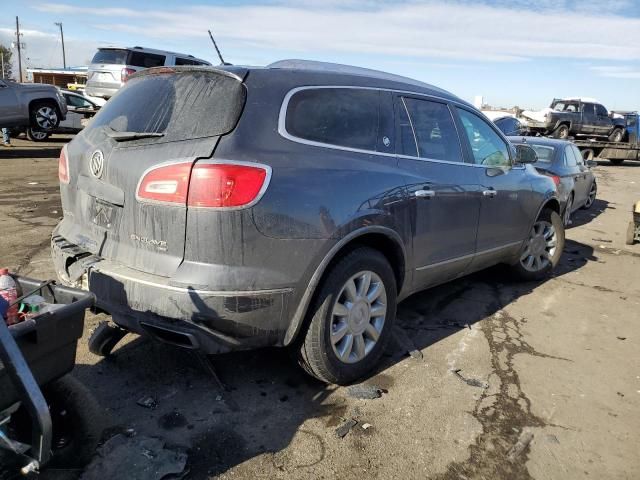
510, 125
80, 111
576, 116
297, 219
111, 66
562, 161
31, 105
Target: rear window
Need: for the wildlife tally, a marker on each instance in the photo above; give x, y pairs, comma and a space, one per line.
337, 116
181, 105
545, 154
116, 56
188, 61
146, 60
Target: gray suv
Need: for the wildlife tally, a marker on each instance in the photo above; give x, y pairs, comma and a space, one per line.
294, 205
34, 105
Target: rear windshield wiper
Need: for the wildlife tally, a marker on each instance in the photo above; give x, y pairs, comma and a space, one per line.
124, 136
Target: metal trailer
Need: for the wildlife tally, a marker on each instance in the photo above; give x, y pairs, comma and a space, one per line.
616, 153
33, 354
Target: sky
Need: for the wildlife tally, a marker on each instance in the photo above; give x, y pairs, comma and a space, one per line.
512, 52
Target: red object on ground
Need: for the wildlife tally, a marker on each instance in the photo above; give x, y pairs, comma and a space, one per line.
9, 291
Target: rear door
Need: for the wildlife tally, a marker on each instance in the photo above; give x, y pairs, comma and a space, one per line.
9, 110
589, 119
104, 212
441, 186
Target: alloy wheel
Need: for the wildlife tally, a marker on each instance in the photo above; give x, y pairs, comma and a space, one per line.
358, 317
39, 134
46, 117
592, 195
540, 247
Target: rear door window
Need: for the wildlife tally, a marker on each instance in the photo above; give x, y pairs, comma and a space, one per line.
601, 111
182, 106
427, 131
146, 60
117, 56
345, 117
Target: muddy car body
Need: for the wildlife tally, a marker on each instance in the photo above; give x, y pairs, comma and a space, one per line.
274, 192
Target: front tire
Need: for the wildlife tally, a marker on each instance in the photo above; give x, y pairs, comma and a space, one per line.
45, 116
542, 249
351, 318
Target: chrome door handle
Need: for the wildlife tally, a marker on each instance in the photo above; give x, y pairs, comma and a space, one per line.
425, 193
490, 193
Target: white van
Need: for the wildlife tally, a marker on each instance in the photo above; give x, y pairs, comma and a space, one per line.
111, 66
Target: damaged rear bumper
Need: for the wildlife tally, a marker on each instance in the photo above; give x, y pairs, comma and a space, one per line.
205, 319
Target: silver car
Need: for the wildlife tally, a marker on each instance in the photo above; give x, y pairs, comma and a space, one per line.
111, 66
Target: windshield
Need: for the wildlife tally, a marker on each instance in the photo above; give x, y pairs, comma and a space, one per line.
116, 56
183, 105
545, 154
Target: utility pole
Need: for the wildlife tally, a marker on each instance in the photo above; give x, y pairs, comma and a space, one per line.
19, 47
2, 59
64, 58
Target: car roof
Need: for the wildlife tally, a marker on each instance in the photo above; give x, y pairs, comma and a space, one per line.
333, 74
542, 141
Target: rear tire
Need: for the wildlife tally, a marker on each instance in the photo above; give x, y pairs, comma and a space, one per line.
351, 318
37, 135
591, 198
562, 132
617, 135
104, 338
78, 422
631, 233
44, 116
547, 235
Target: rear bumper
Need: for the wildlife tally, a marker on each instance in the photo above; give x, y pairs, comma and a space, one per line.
206, 319
101, 90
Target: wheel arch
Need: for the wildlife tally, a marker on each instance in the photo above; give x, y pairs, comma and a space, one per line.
45, 100
385, 240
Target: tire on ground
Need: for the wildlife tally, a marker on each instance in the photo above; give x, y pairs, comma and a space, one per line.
104, 338
34, 110
314, 350
616, 161
527, 275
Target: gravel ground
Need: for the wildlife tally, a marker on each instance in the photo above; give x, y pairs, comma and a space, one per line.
547, 383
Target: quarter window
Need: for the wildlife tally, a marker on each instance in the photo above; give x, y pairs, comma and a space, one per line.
578, 154
570, 158
146, 60
345, 117
486, 145
427, 131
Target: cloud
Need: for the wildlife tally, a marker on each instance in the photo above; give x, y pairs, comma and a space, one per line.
44, 49
617, 71
428, 29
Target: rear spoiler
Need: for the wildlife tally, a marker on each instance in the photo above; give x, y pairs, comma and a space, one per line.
232, 71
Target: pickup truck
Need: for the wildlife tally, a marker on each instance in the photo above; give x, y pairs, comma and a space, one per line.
34, 105
576, 116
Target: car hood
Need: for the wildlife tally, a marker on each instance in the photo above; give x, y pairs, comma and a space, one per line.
37, 86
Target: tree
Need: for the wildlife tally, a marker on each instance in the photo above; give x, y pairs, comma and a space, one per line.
7, 53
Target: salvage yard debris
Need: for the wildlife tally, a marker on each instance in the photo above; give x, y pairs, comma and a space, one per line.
365, 392
343, 429
473, 382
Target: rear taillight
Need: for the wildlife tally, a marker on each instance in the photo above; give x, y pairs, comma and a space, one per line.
555, 178
225, 185
124, 74
165, 184
210, 185
63, 166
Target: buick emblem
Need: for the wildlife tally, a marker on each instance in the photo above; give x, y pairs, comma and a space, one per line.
96, 164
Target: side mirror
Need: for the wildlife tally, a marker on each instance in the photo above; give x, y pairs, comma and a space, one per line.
525, 154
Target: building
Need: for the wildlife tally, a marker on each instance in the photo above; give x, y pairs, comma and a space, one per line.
61, 77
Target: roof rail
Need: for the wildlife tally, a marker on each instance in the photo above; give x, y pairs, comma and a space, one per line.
297, 64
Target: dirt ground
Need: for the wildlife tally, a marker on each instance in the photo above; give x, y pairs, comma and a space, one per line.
547, 383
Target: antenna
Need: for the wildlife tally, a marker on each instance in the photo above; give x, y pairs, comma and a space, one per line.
222, 62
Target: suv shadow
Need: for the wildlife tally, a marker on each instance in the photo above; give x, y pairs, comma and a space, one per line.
269, 397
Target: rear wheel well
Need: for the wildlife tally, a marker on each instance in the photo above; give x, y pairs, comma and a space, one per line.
552, 204
44, 101
378, 241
